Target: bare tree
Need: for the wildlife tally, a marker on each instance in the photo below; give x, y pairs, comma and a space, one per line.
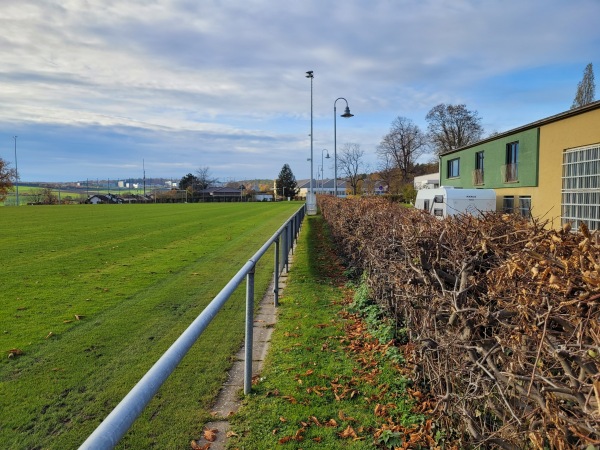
389, 173
7, 176
352, 165
403, 145
452, 126
204, 178
586, 89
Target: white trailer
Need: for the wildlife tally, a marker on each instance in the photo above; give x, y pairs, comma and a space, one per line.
448, 201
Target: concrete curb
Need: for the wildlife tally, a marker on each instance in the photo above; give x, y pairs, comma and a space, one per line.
230, 396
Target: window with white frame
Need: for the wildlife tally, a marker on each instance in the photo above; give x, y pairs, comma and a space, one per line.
581, 187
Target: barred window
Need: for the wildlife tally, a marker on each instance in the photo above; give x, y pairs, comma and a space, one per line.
581, 187
525, 205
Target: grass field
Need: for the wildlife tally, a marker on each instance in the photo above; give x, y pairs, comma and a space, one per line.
92, 295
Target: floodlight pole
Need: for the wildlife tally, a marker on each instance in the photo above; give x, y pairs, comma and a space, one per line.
310, 75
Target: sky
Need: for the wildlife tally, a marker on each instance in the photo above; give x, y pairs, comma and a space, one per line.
105, 89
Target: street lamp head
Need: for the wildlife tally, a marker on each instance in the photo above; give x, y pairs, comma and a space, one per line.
309, 74
347, 113
327, 157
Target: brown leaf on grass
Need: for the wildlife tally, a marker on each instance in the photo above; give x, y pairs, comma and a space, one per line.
13, 352
331, 423
348, 433
78, 317
290, 399
315, 421
321, 325
50, 335
317, 439
345, 418
231, 434
210, 434
273, 393
282, 419
195, 446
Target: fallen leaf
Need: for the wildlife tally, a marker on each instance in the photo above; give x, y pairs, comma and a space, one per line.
348, 433
210, 434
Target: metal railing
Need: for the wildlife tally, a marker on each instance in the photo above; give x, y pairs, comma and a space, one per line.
117, 423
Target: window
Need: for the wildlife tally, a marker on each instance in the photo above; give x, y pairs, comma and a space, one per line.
453, 168
581, 187
525, 206
512, 156
478, 172
508, 204
426, 205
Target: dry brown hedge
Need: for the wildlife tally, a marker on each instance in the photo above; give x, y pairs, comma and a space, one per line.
503, 316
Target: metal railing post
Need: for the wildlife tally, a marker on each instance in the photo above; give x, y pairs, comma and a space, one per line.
249, 331
287, 248
277, 271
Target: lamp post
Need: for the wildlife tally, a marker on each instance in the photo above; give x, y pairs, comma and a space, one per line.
310, 203
346, 115
16, 170
322, 166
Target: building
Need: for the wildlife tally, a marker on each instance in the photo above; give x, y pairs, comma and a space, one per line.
428, 181
322, 187
549, 168
220, 194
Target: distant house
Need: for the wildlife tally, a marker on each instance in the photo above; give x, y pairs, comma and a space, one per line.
263, 197
220, 194
97, 199
134, 198
322, 187
428, 181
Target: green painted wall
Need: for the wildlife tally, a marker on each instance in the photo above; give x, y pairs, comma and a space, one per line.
494, 159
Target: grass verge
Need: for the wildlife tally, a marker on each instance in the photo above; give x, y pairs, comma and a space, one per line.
327, 382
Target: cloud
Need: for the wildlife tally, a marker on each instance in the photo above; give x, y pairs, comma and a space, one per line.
229, 75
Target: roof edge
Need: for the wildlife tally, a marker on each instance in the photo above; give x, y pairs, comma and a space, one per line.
560, 116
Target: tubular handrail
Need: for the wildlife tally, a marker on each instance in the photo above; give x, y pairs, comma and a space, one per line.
117, 423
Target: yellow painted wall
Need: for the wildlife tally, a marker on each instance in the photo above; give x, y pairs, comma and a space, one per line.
555, 138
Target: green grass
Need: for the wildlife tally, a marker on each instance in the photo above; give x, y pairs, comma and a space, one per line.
320, 378
137, 276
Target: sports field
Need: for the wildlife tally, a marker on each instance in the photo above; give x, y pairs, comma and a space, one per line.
92, 295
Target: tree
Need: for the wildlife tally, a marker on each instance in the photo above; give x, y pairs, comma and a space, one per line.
452, 126
402, 145
351, 164
205, 178
389, 173
189, 182
286, 182
586, 89
7, 176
